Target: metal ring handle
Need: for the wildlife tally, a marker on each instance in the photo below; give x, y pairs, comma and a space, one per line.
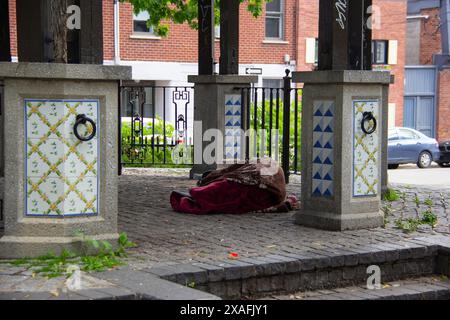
367, 118
82, 119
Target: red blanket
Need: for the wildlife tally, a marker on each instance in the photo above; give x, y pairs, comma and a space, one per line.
222, 197
238, 189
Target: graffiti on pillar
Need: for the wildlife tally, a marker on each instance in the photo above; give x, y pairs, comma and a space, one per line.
233, 126
365, 151
323, 143
341, 8
61, 170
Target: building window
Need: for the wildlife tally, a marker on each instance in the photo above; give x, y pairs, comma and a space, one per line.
380, 52
275, 19
140, 23
316, 51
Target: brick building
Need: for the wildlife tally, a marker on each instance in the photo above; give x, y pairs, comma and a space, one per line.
428, 66
283, 37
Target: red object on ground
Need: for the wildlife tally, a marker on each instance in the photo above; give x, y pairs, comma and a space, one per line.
223, 196
233, 255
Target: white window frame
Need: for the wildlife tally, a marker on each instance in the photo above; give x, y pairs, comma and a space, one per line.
275, 14
150, 32
374, 52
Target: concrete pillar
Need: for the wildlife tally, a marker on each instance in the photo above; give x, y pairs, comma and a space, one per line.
218, 105
342, 165
55, 184
385, 134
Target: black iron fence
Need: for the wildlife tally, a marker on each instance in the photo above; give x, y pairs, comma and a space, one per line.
153, 121
274, 115
156, 125
2, 158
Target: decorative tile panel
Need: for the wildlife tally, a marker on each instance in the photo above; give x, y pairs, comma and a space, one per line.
323, 144
233, 126
61, 171
365, 151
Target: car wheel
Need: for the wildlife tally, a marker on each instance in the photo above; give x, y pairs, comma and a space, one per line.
425, 160
444, 164
393, 166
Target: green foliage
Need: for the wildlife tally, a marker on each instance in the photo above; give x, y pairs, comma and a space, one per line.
408, 225
391, 195
103, 257
387, 210
417, 201
148, 128
411, 225
428, 202
182, 11
268, 119
428, 217
138, 151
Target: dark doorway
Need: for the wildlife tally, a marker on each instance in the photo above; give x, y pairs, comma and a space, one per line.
34, 37
5, 50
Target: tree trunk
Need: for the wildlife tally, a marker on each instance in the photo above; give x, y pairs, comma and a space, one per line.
58, 20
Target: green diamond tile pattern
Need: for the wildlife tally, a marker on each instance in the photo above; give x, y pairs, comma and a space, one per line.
365, 151
61, 171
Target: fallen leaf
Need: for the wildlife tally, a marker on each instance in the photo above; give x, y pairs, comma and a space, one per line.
233, 255
55, 293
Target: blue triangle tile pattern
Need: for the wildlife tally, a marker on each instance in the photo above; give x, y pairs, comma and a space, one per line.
323, 157
233, 120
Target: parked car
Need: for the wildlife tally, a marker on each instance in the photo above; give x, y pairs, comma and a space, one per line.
407, 145
444, 160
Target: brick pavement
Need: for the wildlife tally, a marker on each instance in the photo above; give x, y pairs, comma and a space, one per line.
166, 237
423, 288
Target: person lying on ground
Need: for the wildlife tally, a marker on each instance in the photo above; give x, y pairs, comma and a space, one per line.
238, 189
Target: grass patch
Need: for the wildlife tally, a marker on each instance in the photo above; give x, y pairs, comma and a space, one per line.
391, 195
105, 257
411, 224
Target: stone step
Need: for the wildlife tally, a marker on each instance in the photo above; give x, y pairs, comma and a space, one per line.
424, 288
284, 272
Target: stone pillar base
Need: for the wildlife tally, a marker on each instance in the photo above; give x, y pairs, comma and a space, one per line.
332, 222
58, 185
343, 148
12, 247
210, 95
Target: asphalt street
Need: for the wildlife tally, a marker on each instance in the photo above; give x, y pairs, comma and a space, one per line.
411, 175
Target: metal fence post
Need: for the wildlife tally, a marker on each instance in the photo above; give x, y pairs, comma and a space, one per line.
119, 135
286, 124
